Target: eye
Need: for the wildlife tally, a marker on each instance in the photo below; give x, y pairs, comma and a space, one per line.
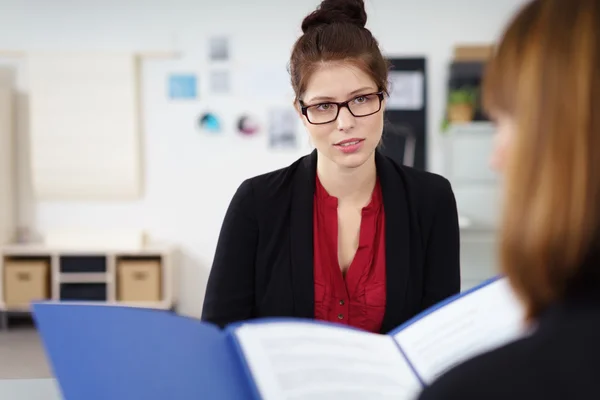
324, 107
361, 99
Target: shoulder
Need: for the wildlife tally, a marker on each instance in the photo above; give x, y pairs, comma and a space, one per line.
426, 190
507, 372
427, 185
270, 185
276, 180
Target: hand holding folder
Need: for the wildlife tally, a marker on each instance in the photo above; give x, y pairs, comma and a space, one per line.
112, 352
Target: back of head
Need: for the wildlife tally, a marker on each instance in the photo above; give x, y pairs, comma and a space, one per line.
545, 76
335, 32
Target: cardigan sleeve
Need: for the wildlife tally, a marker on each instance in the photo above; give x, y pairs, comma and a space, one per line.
230, 290
442, 257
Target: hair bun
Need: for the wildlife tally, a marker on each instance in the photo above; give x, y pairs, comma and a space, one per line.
336, 11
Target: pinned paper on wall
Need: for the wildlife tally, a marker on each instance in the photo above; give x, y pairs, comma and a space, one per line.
248, 125
209, 122
219, 48
220, 81
282, 128
270, 82
406, 90
183, 86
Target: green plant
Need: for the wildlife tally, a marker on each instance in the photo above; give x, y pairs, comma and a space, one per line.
466, 95
463, 95
445, 124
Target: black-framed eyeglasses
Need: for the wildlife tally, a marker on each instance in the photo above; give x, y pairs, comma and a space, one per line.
359, 106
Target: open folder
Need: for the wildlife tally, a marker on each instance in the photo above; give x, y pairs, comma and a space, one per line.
114, 352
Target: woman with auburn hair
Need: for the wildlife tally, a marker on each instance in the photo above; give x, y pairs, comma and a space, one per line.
344, 234
543, 90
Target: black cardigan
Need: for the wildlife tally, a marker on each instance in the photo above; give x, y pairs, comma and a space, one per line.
263, 265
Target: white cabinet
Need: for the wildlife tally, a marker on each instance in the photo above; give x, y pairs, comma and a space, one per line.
476, 186
142, 278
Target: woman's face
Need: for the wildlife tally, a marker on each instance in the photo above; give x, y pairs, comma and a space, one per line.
503, 140
348, 141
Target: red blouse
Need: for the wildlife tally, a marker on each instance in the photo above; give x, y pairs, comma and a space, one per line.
358, 299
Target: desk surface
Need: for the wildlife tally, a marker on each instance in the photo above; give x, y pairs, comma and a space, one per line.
29, 389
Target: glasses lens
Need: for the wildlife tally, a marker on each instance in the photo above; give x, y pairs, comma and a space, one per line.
365, 105
322, 113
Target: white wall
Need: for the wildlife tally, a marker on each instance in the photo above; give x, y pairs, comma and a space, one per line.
189, 176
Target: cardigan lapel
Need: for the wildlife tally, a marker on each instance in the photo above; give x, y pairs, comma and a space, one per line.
301, 236
397, 240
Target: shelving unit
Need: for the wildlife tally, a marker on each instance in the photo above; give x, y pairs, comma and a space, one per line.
140, 278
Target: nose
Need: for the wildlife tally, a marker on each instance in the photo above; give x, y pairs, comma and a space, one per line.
345, 119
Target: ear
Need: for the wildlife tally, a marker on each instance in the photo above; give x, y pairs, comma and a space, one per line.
296, 106
384, 102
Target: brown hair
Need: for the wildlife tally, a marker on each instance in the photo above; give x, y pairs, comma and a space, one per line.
545, 75
335, 32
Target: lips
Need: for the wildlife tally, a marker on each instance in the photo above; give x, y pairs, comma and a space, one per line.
349, 142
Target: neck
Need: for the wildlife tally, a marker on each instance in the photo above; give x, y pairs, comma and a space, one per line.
350, 185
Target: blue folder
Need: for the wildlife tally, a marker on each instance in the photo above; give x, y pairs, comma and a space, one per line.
107, 352
100, 352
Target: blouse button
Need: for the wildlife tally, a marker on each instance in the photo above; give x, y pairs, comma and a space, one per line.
340, 316
341, 302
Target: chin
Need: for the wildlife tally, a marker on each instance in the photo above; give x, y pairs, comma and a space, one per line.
352, 160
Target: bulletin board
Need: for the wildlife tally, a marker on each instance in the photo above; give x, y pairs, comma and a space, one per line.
84, 126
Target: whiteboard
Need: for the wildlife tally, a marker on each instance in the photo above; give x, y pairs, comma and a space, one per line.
84, 126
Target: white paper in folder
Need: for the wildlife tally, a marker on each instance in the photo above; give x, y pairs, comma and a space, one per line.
84, 126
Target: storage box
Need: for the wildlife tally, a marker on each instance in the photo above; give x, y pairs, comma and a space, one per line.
25, 281
139, 280
473, 52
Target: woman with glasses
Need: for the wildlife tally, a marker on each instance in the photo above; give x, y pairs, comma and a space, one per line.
344, 234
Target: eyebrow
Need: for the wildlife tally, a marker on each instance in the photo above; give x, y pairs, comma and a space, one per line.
326, 98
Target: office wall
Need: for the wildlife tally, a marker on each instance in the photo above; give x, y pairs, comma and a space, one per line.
190, 176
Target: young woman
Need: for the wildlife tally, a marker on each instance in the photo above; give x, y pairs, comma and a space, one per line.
543, 89
343, 234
